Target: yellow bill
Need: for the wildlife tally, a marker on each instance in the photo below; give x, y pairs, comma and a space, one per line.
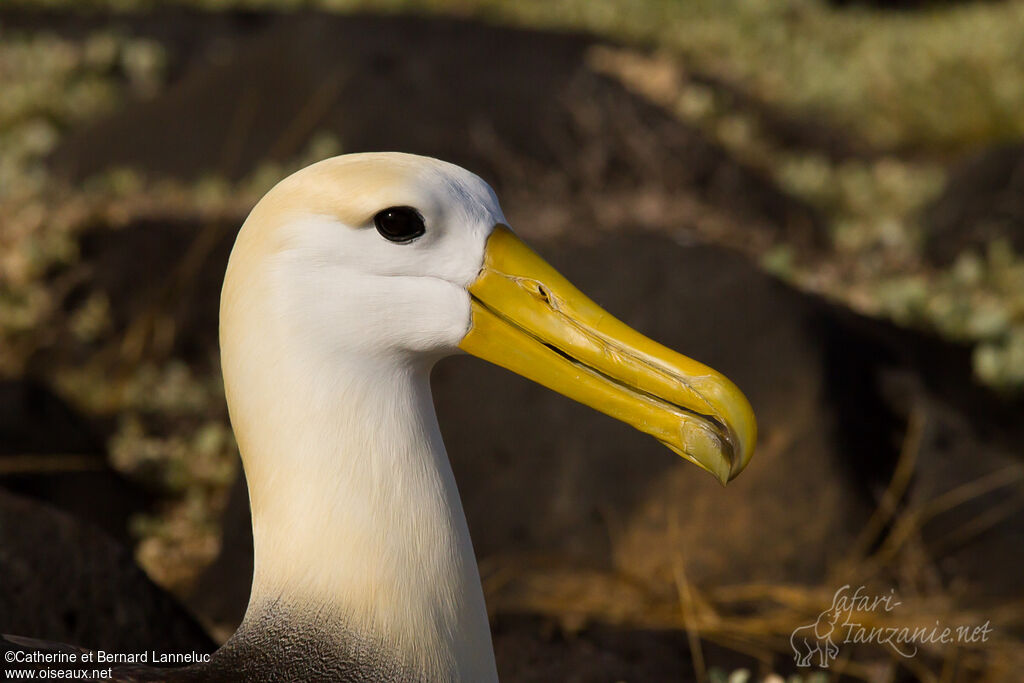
531, 320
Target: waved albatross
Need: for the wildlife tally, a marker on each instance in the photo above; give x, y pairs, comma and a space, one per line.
347, 282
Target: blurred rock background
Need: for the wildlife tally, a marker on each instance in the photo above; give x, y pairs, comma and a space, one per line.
823, 200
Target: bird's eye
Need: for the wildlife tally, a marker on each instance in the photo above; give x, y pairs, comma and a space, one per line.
399, 223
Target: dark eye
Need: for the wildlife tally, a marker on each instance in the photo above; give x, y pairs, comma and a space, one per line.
399, 223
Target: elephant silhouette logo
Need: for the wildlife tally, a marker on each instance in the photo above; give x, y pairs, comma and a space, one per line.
817, 638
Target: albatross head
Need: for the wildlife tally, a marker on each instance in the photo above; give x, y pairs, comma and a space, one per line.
400, 259
347, 282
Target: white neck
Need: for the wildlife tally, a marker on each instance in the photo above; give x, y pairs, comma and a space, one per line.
356, 514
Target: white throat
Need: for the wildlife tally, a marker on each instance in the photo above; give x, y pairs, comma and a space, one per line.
356, 514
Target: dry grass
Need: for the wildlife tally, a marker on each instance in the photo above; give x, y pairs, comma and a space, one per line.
758, 619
